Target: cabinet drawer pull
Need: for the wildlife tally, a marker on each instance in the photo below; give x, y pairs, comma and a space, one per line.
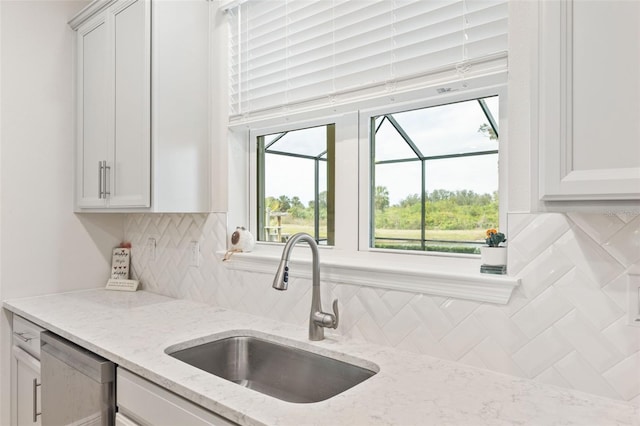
22, 336
35, 400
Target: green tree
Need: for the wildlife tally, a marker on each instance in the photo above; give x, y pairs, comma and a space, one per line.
272, 204
487, 131
411, 200
297, 209
284, 203
381, 198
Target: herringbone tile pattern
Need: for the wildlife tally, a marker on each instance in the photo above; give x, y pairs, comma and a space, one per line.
565, 325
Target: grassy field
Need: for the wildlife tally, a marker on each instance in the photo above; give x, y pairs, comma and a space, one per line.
456, 235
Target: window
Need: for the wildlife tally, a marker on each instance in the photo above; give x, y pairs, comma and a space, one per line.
295, 184
434, 177
396, 79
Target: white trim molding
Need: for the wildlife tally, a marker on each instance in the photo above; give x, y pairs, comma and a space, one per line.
365, 271
89, 11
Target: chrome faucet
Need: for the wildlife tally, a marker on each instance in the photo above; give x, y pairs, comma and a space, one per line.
318, 320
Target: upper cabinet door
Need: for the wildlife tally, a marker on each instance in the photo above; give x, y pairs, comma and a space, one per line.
93, 94
130, 145
590, 100
119, 87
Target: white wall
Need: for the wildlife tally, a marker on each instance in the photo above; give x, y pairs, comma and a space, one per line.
44, 246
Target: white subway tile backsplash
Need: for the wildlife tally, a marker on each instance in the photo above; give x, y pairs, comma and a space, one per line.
433, 318
540, 232
618, 377
370, 331
517, 261
457, 310
599, 227
588, 298
587, 340
396, 300
542, 352
402, 323
589, 257
517, 302
582, 376
565, 325
542, 313
624, 337
472, 358
422, 341
496, 359
463, 338
551, 376
351, 311
617, 290
503, 331
624, 245
544, 271
375, 306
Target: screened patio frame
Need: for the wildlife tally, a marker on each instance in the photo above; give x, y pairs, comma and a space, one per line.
419, 156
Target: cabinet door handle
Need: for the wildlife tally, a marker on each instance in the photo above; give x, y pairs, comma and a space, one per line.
107, 188
22, 337
35, 400
99, 179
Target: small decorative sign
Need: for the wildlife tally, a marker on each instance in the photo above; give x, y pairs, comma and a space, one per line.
122, 285
120, 263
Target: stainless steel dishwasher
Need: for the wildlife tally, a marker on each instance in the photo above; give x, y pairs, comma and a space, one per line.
78, 386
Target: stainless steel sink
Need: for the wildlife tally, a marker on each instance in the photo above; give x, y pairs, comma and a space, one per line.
274, 369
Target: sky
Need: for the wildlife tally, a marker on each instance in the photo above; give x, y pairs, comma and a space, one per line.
440, 130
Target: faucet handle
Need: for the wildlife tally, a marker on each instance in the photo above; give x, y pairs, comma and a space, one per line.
335, 313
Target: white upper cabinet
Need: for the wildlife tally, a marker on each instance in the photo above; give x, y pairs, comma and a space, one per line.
590, 100
130, 150
92, 109
143, 106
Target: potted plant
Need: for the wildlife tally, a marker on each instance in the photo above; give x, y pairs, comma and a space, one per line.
493, 253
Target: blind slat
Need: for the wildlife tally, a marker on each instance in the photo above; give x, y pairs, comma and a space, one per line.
283, 52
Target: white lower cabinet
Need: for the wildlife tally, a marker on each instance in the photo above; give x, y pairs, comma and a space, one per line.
143, 403
27, 388
25, 373
122, 420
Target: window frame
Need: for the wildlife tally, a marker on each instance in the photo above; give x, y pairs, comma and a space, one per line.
350, 260
366, 228
365, 156
352, 144
278, 125
329, 153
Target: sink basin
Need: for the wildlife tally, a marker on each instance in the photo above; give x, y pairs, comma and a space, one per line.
278, 370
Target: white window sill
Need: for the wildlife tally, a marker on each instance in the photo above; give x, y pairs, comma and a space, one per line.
447, 276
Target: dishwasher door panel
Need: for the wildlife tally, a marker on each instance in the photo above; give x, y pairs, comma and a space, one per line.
77, 385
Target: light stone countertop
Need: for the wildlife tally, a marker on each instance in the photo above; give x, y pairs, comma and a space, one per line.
134, 329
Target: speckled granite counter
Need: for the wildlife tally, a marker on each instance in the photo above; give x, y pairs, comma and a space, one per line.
134, 329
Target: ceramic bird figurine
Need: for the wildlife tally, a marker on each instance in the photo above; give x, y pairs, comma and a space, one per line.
241, 241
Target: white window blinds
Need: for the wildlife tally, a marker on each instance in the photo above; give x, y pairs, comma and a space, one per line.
285, 53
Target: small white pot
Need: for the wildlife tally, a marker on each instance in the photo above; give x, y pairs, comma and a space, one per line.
493, 255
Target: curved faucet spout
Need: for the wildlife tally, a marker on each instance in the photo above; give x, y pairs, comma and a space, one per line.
318, 320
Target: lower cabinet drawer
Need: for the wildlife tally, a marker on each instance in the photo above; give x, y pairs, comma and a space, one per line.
26, 335
141, 402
